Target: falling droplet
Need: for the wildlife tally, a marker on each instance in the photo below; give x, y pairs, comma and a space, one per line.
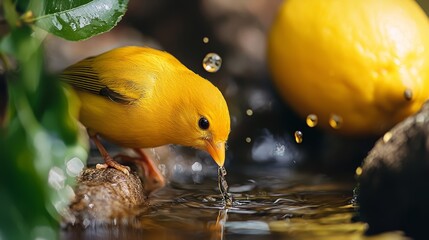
205, 39
387, 136
335, 121
298, 136
312, 120
358, 171
248, 140
212, 62
249, 112
408, 94
223, 187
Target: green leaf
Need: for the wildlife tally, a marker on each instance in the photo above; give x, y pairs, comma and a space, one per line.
81, 19
41, 152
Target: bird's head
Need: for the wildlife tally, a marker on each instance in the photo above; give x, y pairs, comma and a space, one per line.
203, 119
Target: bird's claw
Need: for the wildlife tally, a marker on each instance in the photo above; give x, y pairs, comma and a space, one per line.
125, 169
101, 166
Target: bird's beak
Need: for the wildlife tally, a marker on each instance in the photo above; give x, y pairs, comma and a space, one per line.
217, 151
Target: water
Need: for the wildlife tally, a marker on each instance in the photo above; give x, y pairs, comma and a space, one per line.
278, 204
335, 121
212, 62
298, 136
312, 120
223, 187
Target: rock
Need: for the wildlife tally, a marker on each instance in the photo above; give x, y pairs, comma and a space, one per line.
393, 188
103, 195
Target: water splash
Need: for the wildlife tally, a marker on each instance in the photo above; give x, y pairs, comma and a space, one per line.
267, 147
212, 62
279, 150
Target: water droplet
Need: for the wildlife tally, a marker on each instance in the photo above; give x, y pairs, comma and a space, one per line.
248, 140
335, 121
74, 166
249, 112
73, 26
408, 94
358, 171
56, 23
206, 39
222, 171
387, 136
212, 62
312, 120
298, 136
197, 167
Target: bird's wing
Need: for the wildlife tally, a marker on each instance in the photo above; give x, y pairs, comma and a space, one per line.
83, 76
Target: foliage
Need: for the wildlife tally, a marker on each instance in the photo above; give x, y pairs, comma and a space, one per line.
40, 148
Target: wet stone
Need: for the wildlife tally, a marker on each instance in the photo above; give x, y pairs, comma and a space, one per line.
103, 195
394, 181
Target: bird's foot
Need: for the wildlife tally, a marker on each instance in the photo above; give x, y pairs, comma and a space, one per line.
109, 162
152, 176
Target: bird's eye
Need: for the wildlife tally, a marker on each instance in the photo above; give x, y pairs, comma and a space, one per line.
203, 123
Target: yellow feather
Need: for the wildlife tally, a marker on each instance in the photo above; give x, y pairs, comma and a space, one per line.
141, 97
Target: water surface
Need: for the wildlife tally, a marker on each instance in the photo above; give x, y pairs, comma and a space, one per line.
277, 204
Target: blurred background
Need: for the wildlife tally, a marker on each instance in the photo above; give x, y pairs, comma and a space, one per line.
263, 126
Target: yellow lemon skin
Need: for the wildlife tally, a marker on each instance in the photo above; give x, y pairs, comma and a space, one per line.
366, 61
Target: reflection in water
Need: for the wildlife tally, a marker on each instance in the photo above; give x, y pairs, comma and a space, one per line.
218, 228
270, 206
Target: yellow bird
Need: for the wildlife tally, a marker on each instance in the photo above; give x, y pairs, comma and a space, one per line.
138, 97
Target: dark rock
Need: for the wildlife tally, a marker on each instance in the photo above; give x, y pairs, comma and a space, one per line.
393, 190
103, 195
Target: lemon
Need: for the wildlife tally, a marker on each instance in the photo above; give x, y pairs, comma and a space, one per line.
363, 62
